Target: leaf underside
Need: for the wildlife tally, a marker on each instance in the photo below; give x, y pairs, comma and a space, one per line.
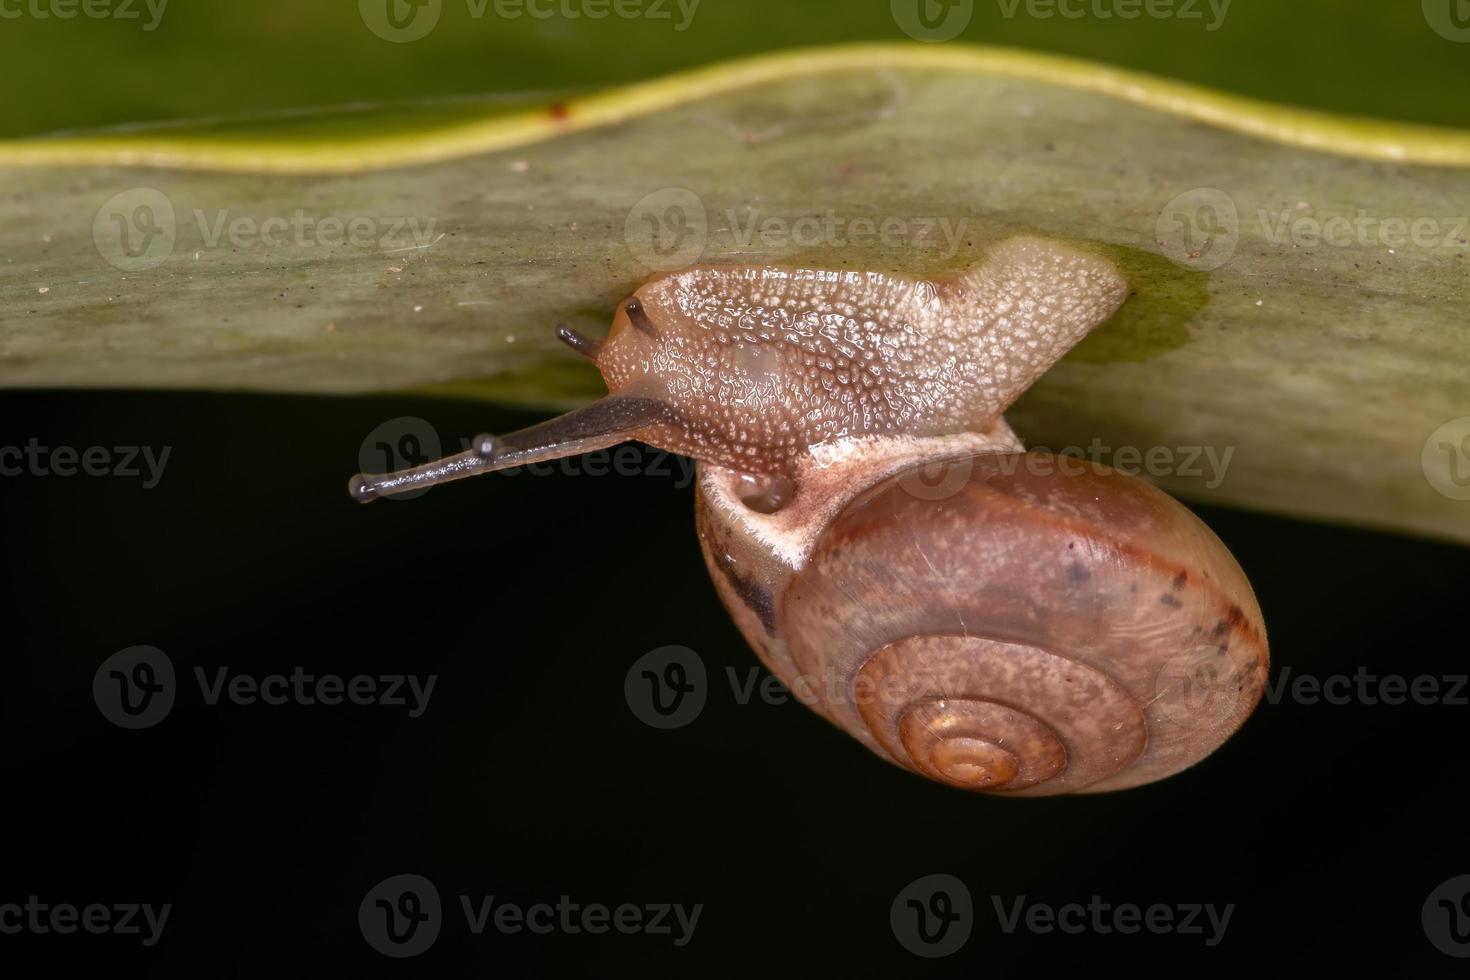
1321, 369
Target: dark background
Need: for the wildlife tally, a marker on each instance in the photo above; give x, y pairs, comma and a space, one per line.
208, 59
529, 777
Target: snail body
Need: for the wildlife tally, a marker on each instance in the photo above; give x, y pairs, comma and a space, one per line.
757, 365
993, 619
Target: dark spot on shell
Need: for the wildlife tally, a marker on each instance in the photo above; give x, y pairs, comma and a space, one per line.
558, 110
1170, 601
1077, 573
1180, 581
757, 598
1228, 623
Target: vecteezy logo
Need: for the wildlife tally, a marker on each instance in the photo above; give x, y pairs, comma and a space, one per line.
667, 229
401, 916
1446, 917
134, 688
666, 688
1446, 459
932, 21
135, 229
1450, 19
399, 444
938, 481
1199, 228
933, 916
1203, 685
400, 21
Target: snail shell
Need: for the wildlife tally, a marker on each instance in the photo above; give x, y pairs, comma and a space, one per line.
999, 621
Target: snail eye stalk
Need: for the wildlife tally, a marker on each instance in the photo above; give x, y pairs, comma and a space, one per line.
604, 423
588, 347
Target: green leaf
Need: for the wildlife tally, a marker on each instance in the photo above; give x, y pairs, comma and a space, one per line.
1326, 372
193, 59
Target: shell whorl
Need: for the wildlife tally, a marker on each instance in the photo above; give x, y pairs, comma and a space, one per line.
1021, 623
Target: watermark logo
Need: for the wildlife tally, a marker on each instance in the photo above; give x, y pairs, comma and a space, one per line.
933, 916
667, 229
1450, 19
1446, 917
1199, 228
400, 21
63, 918
135, 688
139, 229
408, 691
1202, 685
666, 688
90, 9
932, 21
939, 480
1181, 10
672, 228
399, 444
943, 479
1104, 918
623, 461
401, 915
409, 441
135, 229
34, 459
1367, 688
591, 10
1446, 459
809, 231
1363, 229
572, 918
388, 233
1202, 228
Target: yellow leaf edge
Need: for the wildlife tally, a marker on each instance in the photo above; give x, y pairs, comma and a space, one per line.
1362, 138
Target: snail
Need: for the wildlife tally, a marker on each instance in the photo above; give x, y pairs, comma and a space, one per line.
996, 620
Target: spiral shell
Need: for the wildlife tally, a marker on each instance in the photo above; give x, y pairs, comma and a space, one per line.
1008, 622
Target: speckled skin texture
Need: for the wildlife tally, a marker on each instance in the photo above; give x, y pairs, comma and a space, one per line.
758, 364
